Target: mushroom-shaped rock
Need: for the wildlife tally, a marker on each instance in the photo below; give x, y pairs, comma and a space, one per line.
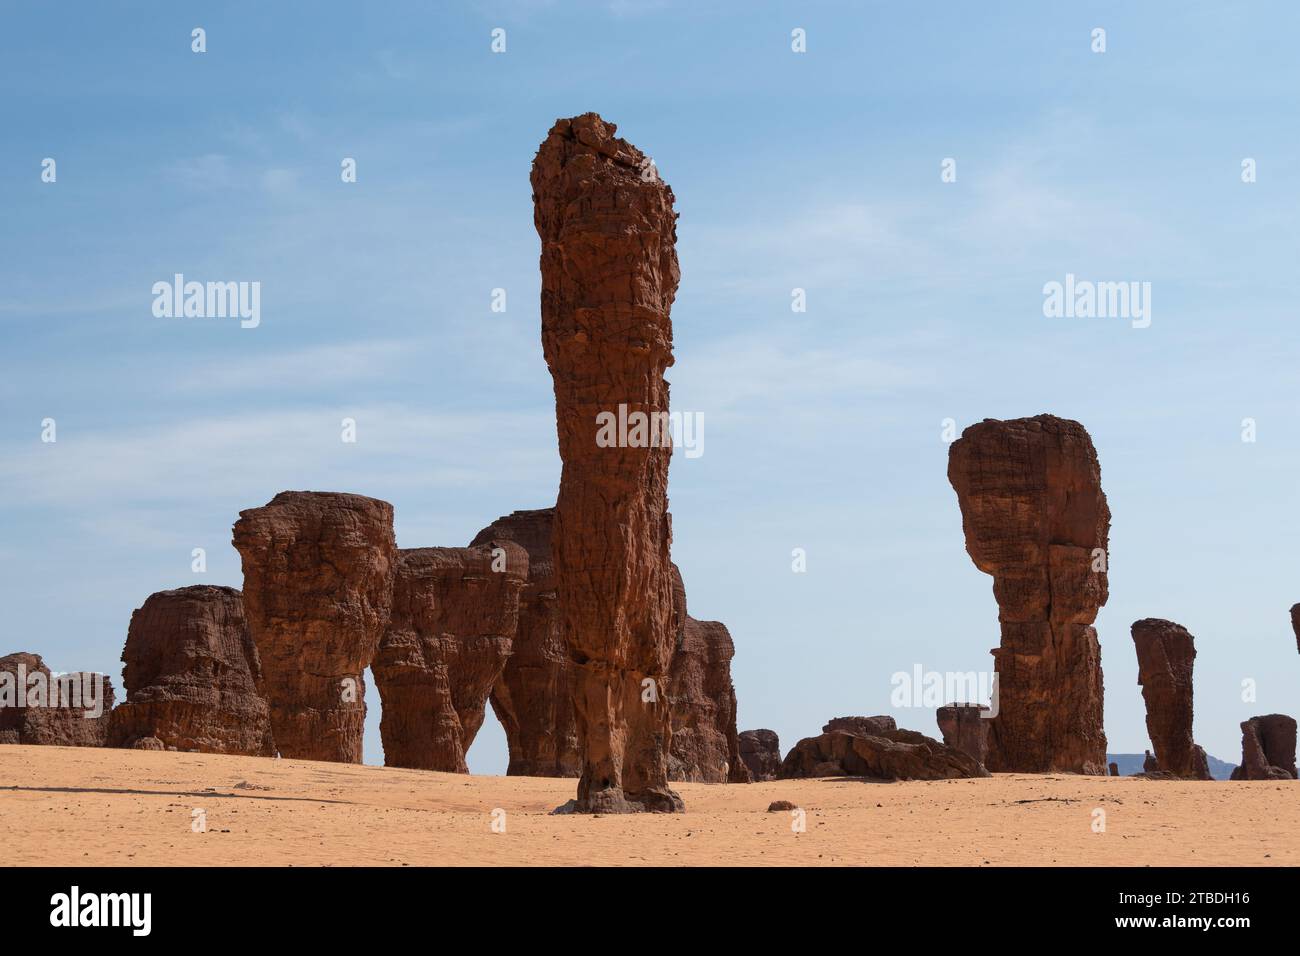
1036, 519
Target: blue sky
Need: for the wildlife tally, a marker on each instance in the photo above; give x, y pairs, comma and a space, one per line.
823, 429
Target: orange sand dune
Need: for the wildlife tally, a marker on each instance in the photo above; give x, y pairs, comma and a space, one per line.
85, 806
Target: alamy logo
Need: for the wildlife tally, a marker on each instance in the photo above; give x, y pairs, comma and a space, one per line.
626, 429
208, 300
932, 689
82, 690
1084, 299
103, 909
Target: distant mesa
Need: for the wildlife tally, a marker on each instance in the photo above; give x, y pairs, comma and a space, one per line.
1130, 765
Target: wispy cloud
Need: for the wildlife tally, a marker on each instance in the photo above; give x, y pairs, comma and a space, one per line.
245, 457
336, 364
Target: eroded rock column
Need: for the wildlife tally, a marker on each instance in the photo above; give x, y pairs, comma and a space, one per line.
702, 699
191, 676
609, 276
1036, 519
965, 727
533, 698
1267, 748
1166, 653
318, 591
455, 611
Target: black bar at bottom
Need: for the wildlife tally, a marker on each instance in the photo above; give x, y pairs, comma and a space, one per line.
334, 905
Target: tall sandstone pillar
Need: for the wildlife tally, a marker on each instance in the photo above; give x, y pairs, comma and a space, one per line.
1036, 519
1166, 653
318, 592
609, 276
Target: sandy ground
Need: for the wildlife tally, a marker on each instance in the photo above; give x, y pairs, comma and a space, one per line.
80, 806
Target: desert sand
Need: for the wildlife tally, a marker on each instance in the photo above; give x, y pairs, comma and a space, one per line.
91, 806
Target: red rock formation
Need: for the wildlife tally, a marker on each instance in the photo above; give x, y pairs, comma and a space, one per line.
533, 698
702, 700
760, 750
964, 728
318, 588
38, 707
886, 754
455, 611
1035, 518
609, 275
862, 726
191, 676
1267, 748
1166, 653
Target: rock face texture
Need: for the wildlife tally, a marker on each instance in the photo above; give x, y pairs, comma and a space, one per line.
760, 750
318, 590
863, 726
702, 700
965, 729
875, 748
533, 698
609, 276
1267, 748
1166, 653
36, 707
454, 615
191, 676
1036, 519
